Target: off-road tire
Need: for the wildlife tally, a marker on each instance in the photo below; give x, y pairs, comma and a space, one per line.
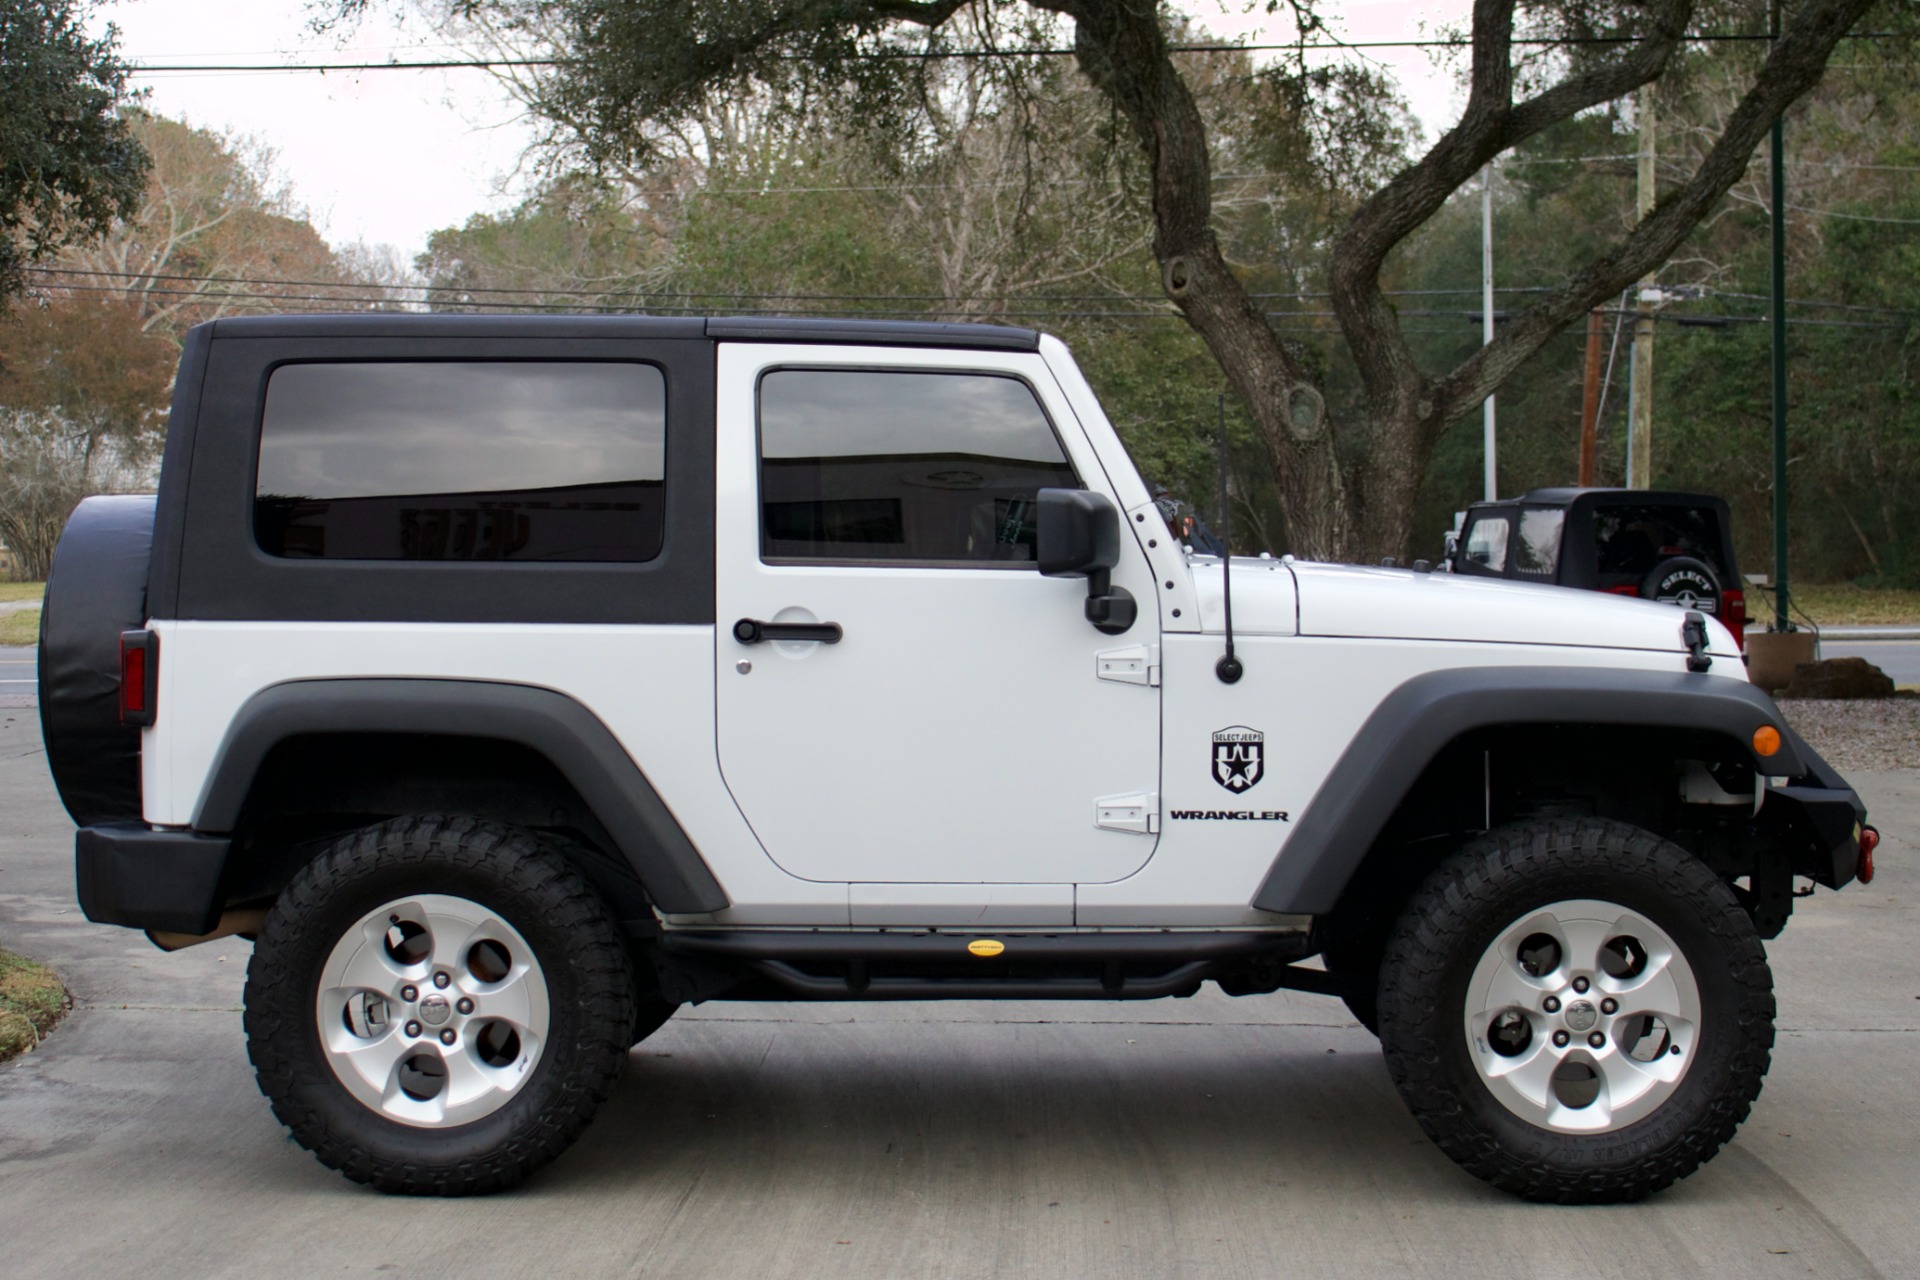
1458, 913
588, 976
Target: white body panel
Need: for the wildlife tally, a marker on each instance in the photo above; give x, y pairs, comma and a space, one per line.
1308, 696
959, 731
651, 686
1355, 600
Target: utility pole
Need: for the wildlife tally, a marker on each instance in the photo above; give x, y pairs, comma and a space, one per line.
1486, 312
1640, 425
1778, 306
1590, 398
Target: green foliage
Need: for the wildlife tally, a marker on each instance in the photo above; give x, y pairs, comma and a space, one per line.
68, 162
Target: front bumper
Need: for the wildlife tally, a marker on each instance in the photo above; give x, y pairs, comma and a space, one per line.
147, 878
1817, 818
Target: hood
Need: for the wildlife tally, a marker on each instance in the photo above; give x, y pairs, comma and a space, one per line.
1288, 597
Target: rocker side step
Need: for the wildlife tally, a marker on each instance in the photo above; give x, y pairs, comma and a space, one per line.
973, 966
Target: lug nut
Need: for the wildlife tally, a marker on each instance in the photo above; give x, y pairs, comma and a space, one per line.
1579, 984
1560, 1039
409, 994
413, 1028
446, 1037
466, 1006
1609, 1005
441, 980
1552, 1004
1597, 1040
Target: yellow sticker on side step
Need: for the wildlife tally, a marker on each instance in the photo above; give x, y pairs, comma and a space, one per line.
986, 947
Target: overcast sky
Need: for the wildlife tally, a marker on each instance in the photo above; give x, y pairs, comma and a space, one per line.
390, 156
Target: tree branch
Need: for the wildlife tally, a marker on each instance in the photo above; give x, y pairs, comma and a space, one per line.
1794, 66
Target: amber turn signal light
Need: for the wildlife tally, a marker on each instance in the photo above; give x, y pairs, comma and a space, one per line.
1766, 740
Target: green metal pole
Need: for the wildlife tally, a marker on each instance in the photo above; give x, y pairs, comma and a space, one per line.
1779, 318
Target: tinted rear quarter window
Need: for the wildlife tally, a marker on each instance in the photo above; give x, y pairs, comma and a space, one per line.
931, 468
462, 460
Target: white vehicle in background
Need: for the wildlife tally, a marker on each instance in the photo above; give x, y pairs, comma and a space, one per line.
514, 681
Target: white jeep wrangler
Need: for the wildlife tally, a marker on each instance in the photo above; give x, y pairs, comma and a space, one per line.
516, 681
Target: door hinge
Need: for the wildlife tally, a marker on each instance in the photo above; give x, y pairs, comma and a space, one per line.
1137, 811
1137, 664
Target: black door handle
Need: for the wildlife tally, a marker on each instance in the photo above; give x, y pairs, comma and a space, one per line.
753, 631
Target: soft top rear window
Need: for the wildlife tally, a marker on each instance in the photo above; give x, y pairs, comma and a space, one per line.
1630, 540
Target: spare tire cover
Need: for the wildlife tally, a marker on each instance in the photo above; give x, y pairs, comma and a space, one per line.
96, 588
1686, 581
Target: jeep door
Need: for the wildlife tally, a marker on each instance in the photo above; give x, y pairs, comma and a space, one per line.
956, 730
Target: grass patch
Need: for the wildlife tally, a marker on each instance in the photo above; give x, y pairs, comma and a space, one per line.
21, 591
31, 1002
21, 627
1843, 605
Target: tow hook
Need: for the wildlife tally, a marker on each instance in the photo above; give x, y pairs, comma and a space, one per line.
1869, 841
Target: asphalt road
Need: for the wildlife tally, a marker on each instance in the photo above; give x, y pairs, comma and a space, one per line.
1206, 1137
17, 668
1900, 659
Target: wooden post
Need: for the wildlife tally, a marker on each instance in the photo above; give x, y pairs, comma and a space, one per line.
1590, 398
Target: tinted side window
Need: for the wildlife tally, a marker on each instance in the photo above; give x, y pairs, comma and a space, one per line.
462, 460
1487, 543
928, 467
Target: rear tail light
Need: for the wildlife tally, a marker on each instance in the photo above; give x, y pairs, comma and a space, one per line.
1625, 589
1733, 612
1869, 841
139, 677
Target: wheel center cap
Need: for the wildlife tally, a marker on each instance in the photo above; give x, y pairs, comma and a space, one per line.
435, 1010
1581, 1015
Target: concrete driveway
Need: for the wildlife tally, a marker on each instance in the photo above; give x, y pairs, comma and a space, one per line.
1206, 1137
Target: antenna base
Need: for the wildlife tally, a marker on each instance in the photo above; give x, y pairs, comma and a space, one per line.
1229, 670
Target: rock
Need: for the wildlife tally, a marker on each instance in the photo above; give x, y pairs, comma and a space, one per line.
1838, 678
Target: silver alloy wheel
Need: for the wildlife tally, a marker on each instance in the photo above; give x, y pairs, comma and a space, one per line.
432, 1011
1582, 1017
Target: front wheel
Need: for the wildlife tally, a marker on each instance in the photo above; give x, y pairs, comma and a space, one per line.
1576, 1012
438, 1006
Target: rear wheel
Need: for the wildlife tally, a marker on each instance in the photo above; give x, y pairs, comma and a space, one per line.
438, 1006
1576, 1011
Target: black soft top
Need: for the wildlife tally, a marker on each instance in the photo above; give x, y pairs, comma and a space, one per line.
434, 324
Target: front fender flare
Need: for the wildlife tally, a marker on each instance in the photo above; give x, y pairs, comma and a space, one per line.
570, 736
1415, 722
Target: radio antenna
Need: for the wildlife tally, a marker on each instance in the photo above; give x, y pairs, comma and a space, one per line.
1228, 668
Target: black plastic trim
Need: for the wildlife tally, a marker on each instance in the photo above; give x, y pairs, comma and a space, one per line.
1417, 720
789, 945
131, 874
571, 737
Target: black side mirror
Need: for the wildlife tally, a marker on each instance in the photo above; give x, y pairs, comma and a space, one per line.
1077, 535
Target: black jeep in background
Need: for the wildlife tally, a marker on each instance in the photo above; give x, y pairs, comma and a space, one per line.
1676, 548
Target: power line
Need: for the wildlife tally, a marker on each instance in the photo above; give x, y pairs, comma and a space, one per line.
939, 55
1028, 312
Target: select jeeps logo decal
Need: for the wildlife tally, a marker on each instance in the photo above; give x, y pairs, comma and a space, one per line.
1238, 757
1689, 588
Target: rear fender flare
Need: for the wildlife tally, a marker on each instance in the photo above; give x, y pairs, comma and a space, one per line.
570, 736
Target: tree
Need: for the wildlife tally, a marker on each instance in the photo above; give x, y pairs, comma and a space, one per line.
68, 162
1348, 467
83, 395
210, 231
